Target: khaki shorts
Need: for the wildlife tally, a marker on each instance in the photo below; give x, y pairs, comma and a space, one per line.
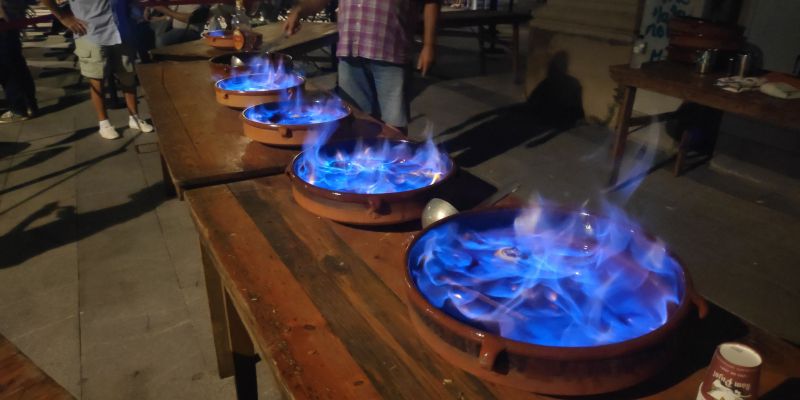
93, 60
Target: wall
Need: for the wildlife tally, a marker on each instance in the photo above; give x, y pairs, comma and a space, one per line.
595, 35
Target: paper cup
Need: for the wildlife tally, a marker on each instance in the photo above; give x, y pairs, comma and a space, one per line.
732, 375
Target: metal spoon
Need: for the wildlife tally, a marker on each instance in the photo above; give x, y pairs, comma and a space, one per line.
237, 62
437, 208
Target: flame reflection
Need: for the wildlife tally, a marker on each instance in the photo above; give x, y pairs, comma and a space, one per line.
548, 277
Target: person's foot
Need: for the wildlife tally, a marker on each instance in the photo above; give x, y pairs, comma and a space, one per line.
107, 131
10, 116
139, 124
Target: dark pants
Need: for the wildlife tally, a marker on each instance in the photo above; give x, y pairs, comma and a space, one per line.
15, 77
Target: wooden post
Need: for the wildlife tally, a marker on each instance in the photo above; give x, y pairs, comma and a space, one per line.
623, 119
515, 54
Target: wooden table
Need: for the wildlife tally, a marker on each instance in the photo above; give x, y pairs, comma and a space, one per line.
323, 303
21, 379
202, 142
311, 37
679, 80
481, 18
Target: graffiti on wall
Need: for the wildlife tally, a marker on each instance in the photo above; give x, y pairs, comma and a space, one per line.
655, 18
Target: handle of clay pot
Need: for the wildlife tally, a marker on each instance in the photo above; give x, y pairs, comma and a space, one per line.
375, 206
490, 349
700, 303
285, 132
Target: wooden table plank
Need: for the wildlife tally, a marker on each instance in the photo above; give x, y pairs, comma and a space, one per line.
310, 37
202, 142
350, 280
21, 379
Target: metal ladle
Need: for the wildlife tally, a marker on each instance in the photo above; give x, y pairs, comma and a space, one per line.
437, 208
237, 62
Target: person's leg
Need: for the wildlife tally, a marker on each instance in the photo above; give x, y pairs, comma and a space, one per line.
390, 86
354, 82
16, 79
175, 36
92, 59
123, 58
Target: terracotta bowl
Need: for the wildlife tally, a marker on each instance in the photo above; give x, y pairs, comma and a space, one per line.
359, 208
221, 67
539, 368
219, 39
289, 135
247, 98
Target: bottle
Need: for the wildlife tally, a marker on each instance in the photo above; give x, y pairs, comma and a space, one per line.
638, 53
240, 20
241, 25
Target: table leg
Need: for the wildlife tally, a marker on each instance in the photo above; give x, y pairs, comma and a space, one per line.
623, 120
481, 49
515, 54
169, 185
244, 356
216, 308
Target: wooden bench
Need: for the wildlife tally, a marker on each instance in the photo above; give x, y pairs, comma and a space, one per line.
324, 304
21, 379
202, 142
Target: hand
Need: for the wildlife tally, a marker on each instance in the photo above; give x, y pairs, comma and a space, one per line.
426, 58
75, 25
292, 24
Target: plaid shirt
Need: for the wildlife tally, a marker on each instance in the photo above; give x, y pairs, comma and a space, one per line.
379, 30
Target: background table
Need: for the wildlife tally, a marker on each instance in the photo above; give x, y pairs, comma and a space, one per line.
312, 36
202, 142
324, 303
679, 80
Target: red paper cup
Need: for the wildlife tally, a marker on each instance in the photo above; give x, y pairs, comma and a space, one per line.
732, 375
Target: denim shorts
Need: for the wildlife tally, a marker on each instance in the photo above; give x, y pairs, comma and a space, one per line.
378, 88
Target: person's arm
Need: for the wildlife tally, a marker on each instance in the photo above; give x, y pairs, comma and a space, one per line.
3, 16
303, 9
180, 16
75, 25
430, 15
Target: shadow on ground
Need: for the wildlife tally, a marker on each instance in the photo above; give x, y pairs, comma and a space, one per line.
554, 105
72, 226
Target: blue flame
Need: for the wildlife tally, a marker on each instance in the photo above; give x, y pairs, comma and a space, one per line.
260, 82
317, 109
374, 166
548, 277
219, 33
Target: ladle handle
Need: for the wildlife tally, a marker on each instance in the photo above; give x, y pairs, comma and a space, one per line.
490, 349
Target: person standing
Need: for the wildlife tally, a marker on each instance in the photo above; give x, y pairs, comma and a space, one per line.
99, 43
15, 77
375, 42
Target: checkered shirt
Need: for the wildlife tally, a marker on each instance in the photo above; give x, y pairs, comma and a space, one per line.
379, 30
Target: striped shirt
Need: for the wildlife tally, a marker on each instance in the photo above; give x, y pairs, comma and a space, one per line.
379, 30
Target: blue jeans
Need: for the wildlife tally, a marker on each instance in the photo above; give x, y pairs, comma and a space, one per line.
378, 88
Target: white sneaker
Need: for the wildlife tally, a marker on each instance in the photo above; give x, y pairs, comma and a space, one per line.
108, 132
139, 124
